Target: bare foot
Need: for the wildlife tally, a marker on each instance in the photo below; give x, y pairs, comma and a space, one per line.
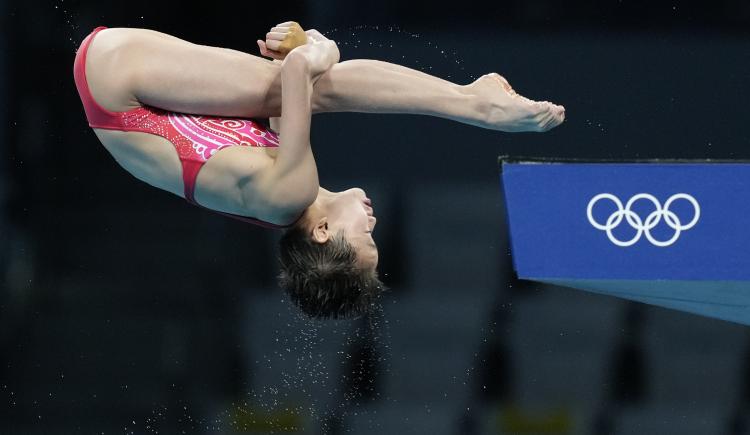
503, 109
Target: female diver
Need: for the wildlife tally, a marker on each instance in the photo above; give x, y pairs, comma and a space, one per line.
147, 94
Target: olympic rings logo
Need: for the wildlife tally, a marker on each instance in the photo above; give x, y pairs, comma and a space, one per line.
643, 227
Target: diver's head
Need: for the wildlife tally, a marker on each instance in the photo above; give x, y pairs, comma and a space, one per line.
329, 258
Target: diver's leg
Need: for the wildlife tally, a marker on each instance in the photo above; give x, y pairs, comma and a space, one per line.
370, 86
146, 67
365, 85
142, 66
130, 67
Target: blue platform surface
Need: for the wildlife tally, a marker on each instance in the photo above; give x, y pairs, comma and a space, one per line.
669, 233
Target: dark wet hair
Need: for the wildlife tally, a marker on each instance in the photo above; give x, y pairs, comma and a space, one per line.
322, 279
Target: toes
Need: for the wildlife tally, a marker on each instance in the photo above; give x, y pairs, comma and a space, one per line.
558, 116
550, 116
558, 112
545, 120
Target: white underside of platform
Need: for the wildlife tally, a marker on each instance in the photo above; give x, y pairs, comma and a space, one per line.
726, 300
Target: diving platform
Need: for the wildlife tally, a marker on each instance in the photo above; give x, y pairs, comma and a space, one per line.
672, 233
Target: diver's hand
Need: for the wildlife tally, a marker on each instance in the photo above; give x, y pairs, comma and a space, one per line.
315, 36
320, 56
282, 39
273, 54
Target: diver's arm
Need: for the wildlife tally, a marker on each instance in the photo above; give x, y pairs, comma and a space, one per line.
291, 182
275, 121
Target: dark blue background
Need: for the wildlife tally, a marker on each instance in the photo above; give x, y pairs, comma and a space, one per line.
124, 309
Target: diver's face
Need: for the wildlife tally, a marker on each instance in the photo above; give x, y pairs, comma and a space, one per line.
350, 211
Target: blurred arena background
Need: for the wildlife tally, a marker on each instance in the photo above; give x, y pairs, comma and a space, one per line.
125, 310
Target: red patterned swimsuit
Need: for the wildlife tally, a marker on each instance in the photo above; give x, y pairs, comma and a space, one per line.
196, 138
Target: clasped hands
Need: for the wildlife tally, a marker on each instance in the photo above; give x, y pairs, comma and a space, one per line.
289, 38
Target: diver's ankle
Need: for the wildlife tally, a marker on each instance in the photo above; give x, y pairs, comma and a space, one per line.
477, 107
